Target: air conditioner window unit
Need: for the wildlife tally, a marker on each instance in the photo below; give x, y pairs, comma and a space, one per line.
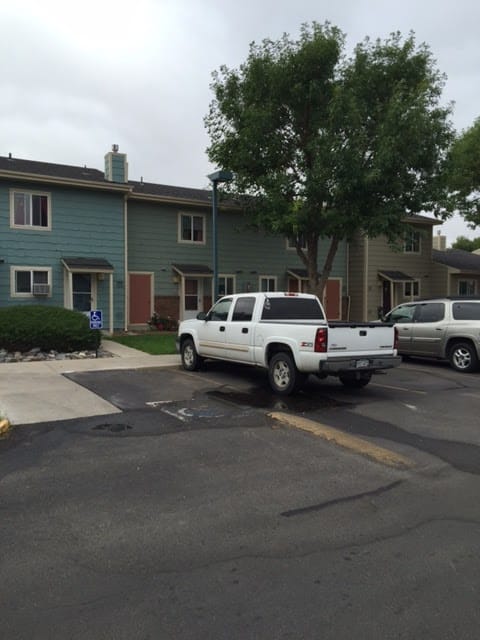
41, 289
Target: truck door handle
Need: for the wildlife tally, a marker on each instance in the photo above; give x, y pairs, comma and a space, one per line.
222, 328
244, 330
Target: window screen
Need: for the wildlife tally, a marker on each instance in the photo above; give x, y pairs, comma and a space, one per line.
290, 308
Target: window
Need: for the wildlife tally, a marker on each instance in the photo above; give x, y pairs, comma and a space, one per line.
243, 310
30, 210
466, 287
412, 242
291, 308
403, 313
220, 310
411, 289
466, 310
291, 241
268, 283
191, 228
24, 281
430, 312
226, 285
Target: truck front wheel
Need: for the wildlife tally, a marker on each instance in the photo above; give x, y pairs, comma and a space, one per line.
191, 361
355, 380
283, 375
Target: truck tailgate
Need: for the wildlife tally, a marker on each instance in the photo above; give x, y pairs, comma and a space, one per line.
355, 339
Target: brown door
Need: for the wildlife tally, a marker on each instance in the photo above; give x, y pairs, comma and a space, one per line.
332, 300
140, 289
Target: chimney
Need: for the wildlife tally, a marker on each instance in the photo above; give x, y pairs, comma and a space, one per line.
116, 166
439, 242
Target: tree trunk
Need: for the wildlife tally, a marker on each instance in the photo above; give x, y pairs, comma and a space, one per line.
327, 267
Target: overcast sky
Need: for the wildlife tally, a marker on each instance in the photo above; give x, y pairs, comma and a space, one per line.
80, 76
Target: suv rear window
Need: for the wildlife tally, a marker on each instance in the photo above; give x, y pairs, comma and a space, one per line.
291, 308
466, 310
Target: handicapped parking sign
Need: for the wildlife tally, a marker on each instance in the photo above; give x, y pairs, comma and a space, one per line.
96, 319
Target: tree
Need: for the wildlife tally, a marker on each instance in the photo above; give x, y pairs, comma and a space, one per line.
327, 146
464, 175
464, 243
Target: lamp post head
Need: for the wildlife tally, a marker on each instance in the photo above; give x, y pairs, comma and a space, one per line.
220, 176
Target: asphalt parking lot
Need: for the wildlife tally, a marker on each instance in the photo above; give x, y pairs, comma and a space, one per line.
194, 513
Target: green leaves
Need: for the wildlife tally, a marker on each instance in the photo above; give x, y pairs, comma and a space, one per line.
330, 146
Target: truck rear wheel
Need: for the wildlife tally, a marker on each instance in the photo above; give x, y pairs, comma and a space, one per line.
283, 375
191, 361
463, 357
355, 380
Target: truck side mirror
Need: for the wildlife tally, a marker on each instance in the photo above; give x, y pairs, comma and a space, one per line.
202, 316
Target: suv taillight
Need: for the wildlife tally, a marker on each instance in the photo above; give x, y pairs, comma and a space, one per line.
395, 339
321, 340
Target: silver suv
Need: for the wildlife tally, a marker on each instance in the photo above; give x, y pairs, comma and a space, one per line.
446, 328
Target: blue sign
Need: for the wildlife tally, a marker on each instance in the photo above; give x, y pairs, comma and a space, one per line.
96, 319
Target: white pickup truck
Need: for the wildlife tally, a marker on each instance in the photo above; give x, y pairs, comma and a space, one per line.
288, 335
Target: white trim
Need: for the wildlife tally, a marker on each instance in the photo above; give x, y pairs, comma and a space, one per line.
228, 275
30, 227
267, 277
13, 271
180, 240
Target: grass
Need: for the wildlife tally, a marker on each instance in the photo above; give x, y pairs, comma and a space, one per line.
156, 344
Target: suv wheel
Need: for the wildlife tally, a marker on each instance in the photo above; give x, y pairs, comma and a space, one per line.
463, 357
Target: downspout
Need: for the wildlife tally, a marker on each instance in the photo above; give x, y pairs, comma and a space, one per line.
126, 278
365, 279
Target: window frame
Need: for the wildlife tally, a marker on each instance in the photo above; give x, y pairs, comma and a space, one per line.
410, 295
292, 247
30, 193
412, 238
267, 277
467, 281
180, 239
14, 269
224, 277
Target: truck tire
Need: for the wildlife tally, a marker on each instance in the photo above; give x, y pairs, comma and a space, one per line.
191, 361
283, 375
355, 380
463, 357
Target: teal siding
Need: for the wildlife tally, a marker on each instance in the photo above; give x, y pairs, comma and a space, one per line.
84, 224
247, 254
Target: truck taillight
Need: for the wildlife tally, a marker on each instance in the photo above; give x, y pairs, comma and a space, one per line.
321, 340
395, 339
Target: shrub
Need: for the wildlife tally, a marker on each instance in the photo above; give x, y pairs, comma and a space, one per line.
27, 326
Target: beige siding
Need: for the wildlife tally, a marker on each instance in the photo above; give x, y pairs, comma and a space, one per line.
356, 269
381, 256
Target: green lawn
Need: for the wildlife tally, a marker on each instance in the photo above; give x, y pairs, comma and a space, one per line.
155, 344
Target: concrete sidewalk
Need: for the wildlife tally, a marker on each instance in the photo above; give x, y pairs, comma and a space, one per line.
38, 392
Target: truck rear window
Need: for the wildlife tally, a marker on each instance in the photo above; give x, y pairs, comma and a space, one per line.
290, 308
466, 310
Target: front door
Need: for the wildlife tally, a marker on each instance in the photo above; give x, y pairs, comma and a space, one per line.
192, 298
140, 294
332, 300
82, 291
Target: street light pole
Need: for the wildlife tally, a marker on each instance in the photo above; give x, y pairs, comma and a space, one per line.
215, 178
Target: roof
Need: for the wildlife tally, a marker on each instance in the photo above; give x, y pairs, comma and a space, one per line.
395, 276
192, 269
457, 259
298, 273
87, 264
415, 217
85, 175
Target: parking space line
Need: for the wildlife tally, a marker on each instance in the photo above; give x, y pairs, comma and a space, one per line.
347, 441
389, 386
